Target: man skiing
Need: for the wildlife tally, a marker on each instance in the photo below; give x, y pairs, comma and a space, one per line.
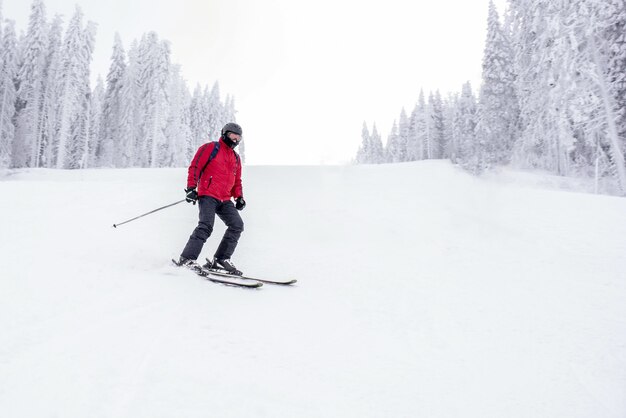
214, 177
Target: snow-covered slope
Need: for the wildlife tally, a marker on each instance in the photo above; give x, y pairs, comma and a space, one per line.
422, 292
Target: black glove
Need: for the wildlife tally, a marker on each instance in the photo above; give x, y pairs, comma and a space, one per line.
240, 203
192, 195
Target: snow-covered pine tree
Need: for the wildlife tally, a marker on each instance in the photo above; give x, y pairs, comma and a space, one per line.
556, 98
411, 142
79, 146
396, 150
363, 155
614, 15
584, 116
154, 64
8, 71
421, 128
94, 138
600, 20
30, 88
177, 131
524, 30
198, 118
403, 136
465, 128
455, 99
436, 121
130, 119
1, 24
187, 145
46, 135
539, 38
113, 142
448, 115
74, 92
392, 148
497, 108
215, 114
230, 114
377, 150
69, 90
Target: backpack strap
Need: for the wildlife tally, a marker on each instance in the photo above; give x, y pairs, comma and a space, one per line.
214, 152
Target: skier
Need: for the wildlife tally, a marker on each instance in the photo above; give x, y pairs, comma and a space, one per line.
214, 177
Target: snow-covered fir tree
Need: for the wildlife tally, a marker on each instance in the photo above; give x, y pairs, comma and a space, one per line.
112, 135
614, 16
179, 148
364, 154
497, 108
8, 71
30, 88
215, 114
465, 120
436, 130
46, 135
79, 147
546, 137
609, 58
411, 143
376, 146
396, 149
448, 125
130, 115
403, 136
74, 92
2, 26
420, 125
393, 151
371, 150
1, 20
199, 117
94, 134
230, 114
420, 136
154, 67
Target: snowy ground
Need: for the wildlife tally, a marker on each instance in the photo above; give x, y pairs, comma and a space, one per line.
423, 292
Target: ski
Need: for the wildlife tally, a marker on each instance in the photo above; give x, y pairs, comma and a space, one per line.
230, 281
223, 273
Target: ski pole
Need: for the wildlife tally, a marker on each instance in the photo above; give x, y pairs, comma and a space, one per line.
152, 211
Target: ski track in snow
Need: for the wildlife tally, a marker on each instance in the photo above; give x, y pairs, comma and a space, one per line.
422, 291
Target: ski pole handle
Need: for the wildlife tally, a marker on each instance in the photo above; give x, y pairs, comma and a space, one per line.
148, 213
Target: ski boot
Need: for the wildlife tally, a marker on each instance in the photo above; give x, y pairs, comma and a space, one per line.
226, 265
189, 263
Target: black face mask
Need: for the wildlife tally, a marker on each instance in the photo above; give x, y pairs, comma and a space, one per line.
230, 142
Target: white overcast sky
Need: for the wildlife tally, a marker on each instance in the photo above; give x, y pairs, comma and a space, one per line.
305, 75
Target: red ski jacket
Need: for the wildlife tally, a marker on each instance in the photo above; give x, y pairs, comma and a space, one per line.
221, 178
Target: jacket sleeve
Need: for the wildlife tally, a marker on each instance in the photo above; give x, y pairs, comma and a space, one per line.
197, 163
237, 190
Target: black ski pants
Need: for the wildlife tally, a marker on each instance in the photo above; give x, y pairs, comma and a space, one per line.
209, 207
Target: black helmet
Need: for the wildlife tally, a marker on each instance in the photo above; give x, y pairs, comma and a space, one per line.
234, 128
231, 127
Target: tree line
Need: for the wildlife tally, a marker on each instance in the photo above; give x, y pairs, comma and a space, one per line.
553, 97
144, 115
